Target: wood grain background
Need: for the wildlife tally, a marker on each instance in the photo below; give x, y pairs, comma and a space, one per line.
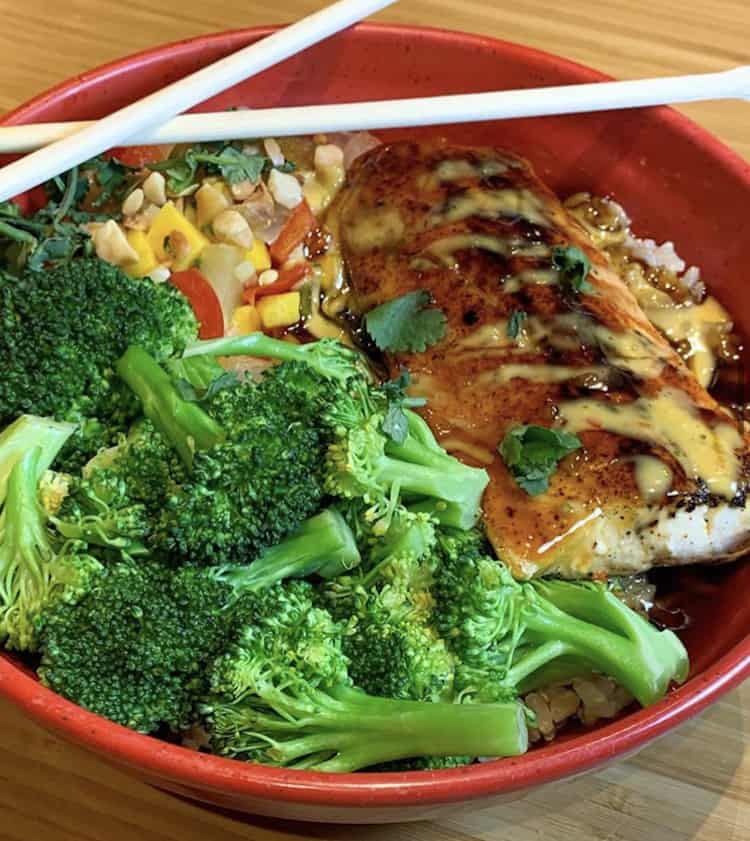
694, 784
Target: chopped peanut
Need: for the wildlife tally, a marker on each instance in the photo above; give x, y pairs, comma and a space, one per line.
155, 189
111, 244
133, 202
285, 188
231, 226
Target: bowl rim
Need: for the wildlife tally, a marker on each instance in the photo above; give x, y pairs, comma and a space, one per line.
207, 772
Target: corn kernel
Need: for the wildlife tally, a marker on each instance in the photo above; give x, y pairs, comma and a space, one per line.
146, 261
279, 310
259, 256
246, 319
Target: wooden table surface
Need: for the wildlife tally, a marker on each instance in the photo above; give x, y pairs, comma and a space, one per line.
694, 784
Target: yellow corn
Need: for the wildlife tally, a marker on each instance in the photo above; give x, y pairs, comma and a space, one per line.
259, 256
146, 261
279, 310
246, 319
184, 252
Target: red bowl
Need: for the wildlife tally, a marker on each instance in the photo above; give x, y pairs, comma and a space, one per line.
677, 182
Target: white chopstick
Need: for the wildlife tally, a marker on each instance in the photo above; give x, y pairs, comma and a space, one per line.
152, 110
461, 108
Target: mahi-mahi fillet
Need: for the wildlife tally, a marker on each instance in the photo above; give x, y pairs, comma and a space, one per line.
662, 475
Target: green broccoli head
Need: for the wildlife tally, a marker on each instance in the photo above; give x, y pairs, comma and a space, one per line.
131, 642
63, 331
282, 696
510, 637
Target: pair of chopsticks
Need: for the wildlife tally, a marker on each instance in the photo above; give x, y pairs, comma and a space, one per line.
61, 146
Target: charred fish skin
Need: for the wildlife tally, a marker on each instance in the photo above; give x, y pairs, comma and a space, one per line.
478, 230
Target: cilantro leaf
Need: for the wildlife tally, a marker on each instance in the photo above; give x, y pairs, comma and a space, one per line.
574, 267
532, 453
406, 323
113, 177
233, 165
180, 173
517, 318
395, 423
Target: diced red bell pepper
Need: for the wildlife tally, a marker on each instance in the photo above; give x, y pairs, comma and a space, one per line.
139, 156
194, 286
301, 221
287, 280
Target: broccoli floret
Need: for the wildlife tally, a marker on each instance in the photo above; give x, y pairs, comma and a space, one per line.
255, 467
511, 637
62, 332
132, 645
379, 443
281, 695
27, 448
121, 493
132, 642
387, 607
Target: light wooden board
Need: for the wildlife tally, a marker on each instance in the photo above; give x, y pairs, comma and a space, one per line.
694, 784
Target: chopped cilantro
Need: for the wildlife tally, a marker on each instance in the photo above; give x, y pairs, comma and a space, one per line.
113, 177
395, 422
47, 237
232, 164
406, 323
517, 318
574, 267
532, 453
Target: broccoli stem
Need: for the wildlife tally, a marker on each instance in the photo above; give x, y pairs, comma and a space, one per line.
25, 553
183, 423
590, 623
343, 729
323, 545
454, 489
26, 433
329, 358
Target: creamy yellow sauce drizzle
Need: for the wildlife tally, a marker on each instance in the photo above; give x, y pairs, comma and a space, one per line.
490, 204
668, 420
653, 477
321, 187
377, 227
631, 352
541, 373
698, 325
445, 249
457, 445
456, 170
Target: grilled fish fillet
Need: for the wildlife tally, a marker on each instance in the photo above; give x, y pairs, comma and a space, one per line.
663, 472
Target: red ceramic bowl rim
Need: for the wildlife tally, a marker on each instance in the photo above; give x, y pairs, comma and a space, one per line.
202, 771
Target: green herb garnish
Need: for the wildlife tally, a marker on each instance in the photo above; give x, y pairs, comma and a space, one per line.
231, 163
532, 453
47, 238
574, 267
407, 323
395, 422
517, 318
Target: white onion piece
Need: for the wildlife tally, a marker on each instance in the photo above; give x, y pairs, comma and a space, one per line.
218, 264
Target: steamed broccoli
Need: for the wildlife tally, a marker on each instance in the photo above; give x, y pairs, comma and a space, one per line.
27, 448
510, 637
282, 695
63, 330
254, 467
378, 444
133, 640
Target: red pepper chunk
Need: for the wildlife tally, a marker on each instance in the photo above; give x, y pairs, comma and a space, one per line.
194, 286
301, 221
287, 280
